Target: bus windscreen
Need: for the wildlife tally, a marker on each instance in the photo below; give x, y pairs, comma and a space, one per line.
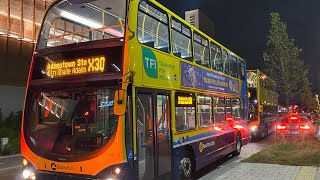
74, 22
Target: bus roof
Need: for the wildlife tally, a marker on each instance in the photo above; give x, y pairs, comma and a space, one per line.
194, 28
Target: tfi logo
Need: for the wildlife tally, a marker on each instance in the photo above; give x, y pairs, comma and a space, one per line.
53, 166
150, 63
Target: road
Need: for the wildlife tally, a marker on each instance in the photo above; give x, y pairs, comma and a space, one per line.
12, 164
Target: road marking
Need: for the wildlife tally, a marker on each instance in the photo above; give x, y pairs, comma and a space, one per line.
306, 173
10, 156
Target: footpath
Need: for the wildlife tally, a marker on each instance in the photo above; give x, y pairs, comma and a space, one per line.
258, 171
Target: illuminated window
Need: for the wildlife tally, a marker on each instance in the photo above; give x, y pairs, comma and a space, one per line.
181, 40
153, 27
228, 107
69, 23
185, 111
225, 62
242, 70
204, 111
233, 66
201, 50
237, 109
219, 110
215, 57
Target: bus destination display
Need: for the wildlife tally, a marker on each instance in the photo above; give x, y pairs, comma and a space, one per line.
79, 66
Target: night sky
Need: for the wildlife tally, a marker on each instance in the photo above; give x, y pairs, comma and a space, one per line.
243, 25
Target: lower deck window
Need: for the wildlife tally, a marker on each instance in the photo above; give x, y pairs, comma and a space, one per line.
185, 112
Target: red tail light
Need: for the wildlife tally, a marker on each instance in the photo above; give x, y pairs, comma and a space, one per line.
305, 127
281, 127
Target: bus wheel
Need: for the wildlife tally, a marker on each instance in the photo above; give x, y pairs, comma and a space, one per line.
185, 167
238, 146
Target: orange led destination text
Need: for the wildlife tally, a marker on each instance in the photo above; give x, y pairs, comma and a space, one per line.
76, 67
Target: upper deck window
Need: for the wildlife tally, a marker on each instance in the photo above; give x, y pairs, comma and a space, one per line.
69, 22
153, 27
201, 50
181, 40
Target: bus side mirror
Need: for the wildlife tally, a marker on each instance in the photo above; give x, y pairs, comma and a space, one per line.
120, 102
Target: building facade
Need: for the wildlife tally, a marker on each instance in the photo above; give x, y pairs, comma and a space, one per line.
20, 22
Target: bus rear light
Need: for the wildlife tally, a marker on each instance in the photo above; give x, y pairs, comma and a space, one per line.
281, 127
306, 127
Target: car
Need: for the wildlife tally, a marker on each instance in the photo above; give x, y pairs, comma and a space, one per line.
295, 125
307, 116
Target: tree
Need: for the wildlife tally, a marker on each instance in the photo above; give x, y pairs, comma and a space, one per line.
282, 61
307, 99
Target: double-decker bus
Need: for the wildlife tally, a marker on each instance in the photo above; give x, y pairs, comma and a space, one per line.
128, 90
263, 104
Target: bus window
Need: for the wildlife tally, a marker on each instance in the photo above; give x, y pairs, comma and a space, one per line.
236, 109
153, 27
242, 70
225, 61
233, 66
219, 110
185, 112
216, 60
201, 50
205, 111
229, 107
70, 23
79, 121
181, 40
242, 109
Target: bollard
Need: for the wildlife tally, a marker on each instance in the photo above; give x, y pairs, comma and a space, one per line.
4, 143
318, 132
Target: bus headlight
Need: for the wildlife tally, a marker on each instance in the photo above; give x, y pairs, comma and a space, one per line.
24, 162
253, 128
28, 171
28, 174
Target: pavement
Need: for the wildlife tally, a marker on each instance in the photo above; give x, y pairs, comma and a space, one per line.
234, 169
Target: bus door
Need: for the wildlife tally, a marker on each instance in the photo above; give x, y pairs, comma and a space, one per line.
153, 135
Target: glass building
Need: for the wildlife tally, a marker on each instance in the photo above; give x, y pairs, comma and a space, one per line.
20, 22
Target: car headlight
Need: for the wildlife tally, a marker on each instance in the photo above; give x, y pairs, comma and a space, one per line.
253, 128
